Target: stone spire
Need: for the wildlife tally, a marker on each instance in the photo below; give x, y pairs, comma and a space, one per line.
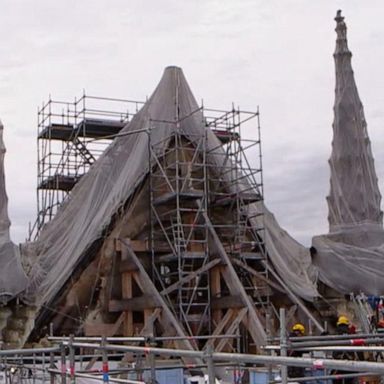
4, 219
12, 277
354, 194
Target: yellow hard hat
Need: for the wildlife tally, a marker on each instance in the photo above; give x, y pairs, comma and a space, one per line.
299, 327
342, 320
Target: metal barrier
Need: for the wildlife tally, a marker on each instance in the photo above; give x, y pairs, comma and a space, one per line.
65, 360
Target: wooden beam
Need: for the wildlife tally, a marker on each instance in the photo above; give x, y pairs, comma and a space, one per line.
190, 276
231, 330
255, 327
258, 275
295, 299
226, 302
220, 327
97, 329
149, 322
127, 266
136, 276
103, 329
137, 245
135, 304
143, 245
215, 286
126, 293
149, 288
150, 319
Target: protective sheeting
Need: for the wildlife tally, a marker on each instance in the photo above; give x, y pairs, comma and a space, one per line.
354, 196
113, 178
107, 186
12, 276
352, 260
351, 257
291, 260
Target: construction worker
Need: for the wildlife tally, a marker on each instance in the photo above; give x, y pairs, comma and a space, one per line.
298, 330
342, 325
343, 328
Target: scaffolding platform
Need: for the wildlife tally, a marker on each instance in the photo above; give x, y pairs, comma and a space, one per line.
59, 182
62, 132
89, 128
252, 255
171, 196
99, 128
246, 197
71, 137
226, 136
186, 255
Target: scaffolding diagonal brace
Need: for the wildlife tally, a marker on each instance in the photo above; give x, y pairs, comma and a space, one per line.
256, 328
186, 344
296, 299
191, 276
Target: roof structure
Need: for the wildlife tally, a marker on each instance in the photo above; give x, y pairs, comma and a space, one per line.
168, 155
113, 179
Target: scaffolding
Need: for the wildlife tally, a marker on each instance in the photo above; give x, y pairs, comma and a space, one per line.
121, 360
236, 185
71, 136
202, 228
194, 185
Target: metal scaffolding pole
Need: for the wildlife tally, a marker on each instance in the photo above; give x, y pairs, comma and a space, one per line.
333, 337
324, 377
328, 343
118, 339
283, 343
348, 365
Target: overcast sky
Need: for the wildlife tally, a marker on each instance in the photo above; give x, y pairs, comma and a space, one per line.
273, 53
